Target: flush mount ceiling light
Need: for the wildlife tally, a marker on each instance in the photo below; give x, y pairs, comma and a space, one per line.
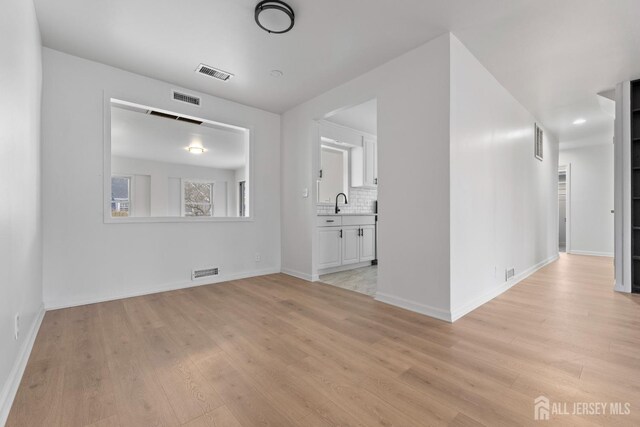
276, 73
195, 149
274, 16
579, 121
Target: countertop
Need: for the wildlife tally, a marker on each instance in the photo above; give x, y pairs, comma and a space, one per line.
350, 214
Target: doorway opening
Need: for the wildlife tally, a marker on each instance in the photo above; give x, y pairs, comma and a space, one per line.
562, 209
346, 253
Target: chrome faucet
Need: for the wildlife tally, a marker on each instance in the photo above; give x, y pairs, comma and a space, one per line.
345, 201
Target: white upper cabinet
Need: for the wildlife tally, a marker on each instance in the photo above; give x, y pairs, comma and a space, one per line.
370, 162
364, 164
362, 149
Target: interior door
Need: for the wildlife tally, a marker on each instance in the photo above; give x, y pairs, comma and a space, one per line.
350, 245
367, 243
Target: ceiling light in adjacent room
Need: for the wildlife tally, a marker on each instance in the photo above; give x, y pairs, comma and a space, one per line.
196, 149
274, 16
579, 121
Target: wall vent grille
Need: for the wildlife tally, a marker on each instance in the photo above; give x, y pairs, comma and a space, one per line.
213, 72
183, 97
206, 272
510, 273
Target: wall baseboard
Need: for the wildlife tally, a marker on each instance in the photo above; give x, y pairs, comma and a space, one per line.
57, 304
477, 302
590, 253
300, 275
414, 306
15, 376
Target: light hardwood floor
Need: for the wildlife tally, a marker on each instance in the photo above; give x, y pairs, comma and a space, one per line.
278, 351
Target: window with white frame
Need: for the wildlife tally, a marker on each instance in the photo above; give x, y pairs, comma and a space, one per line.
197, 198
120, 196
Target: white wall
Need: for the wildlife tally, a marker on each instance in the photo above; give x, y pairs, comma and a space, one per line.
20, 209
87, 260
504, 202
412, 94
591, 197
163, 201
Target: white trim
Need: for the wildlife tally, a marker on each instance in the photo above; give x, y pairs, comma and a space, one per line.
567, 170
591, 253
155, 219
15, 376
66, 303
300, 275
568, 209
623, 280
488, 296
414, 306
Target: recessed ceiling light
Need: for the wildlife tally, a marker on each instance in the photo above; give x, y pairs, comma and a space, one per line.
276, 73
195, 149
579, 121
274, 16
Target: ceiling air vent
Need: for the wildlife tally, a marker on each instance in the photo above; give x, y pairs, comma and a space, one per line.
173, 117
213, 72
161, 114
183, 97
198, 274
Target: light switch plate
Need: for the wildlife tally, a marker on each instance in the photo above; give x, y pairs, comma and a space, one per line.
305, 193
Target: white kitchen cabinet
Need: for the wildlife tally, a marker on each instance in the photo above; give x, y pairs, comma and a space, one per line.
364, 164
329, 247
367, 243
350, 245
345, 240
370, 166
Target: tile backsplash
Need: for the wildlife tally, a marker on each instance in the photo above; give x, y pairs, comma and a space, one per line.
361, 200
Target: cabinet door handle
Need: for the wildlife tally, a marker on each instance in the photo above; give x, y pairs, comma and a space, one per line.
375, 181
341, 234
330, 220
359, 231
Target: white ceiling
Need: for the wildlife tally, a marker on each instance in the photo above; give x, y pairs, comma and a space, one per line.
553, 56
141, 136
362, 117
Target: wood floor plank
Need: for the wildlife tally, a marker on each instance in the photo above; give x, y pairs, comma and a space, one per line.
39, 398
278, 351
88, 396
246, 403
220, 417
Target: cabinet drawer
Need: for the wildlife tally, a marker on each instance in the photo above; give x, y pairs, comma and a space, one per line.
359, 220
329, 221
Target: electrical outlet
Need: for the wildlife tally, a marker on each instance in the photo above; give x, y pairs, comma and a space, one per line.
258, 257
16, 326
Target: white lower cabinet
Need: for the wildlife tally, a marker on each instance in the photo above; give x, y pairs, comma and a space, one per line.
367, 243
340, 245
350, 245
329, 247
